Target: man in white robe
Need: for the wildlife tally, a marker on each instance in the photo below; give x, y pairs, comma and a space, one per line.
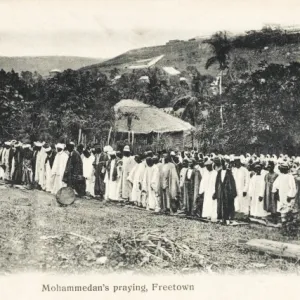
136, 177
1, 165
40, 168
107, 149
207, 190
128, 164
58, 168
147, 189
88, 171
256, 193
48, 168
242, 177
156, 183
112, 177
285, 185
6, 154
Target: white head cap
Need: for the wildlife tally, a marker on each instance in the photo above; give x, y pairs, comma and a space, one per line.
60, 145
126, 148
109, 149
47, 149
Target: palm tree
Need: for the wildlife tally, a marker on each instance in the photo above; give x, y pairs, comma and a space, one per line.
221, 47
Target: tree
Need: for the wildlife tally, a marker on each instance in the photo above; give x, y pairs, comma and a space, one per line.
221, 47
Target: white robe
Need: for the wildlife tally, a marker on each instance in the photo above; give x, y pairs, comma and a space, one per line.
88, 173
119, 179
155, 186
285, 184
150, 198
40, 168
5, 162
136, 177
49, 178
1, 169
242, 178
207, 186
256, 190
112, 186
57, 171
106, 181
128, 164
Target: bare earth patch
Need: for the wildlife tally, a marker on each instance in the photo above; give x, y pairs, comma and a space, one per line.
38, 235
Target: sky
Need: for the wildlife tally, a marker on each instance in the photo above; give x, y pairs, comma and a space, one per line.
106, 28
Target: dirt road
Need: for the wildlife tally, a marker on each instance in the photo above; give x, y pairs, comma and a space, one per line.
35, 235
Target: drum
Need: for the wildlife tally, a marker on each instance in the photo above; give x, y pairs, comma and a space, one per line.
65, 196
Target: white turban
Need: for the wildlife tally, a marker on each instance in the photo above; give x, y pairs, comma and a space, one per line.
60, 145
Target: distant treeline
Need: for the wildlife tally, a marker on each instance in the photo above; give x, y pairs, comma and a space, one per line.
258, 39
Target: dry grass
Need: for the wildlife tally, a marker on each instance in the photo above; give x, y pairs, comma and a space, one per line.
35, 235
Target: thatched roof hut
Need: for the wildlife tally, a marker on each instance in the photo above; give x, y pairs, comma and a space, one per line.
140, 119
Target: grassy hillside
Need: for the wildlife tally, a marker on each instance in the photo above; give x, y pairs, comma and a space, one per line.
43, 64
195, 53
179, 55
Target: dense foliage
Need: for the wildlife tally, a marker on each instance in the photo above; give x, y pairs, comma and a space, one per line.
260, 109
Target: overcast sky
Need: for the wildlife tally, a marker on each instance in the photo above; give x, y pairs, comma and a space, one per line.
106, 28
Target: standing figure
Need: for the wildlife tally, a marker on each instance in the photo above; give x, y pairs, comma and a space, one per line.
256, 192
136, 177
6, 160
297, 182
73, 175
147, 190
225, 192
119, 164
128, 164
48, 168
40, 166
170, 185
198, 178
1, 164
207, 190
101, 159
189, 188
112, 175
88, 171
285, 186
270, 205
18, 164
27, 177
183, 186
58, 168
156, 182
242, 177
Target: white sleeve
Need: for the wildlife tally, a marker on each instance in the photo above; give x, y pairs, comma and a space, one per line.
247, 180
292, 187
202, 185
276, 184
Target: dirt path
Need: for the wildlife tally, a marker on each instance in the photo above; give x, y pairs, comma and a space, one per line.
34, 235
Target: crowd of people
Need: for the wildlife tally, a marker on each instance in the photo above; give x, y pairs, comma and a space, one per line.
216, 187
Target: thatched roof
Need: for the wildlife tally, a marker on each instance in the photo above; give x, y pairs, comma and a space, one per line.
147, 118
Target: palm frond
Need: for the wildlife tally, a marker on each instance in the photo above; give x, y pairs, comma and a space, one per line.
211, 61
181, 102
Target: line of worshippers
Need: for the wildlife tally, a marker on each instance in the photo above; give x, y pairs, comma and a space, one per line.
213, 186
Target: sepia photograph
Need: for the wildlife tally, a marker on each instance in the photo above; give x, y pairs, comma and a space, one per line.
149, 137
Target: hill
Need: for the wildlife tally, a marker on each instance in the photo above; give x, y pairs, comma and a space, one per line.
43, 64
194, 52
178, 54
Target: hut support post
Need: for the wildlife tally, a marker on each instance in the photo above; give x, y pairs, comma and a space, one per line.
109, 135
79, 135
